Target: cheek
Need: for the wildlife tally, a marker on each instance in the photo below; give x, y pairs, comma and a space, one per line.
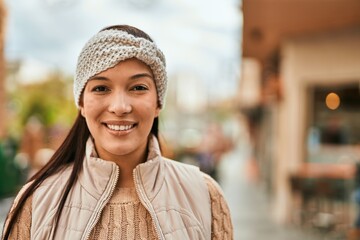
151, 106
90, 106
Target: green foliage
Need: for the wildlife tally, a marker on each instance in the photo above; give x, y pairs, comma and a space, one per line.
11, 174
51, 101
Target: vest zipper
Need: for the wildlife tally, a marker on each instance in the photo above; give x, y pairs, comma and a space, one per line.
94, 222
146, 203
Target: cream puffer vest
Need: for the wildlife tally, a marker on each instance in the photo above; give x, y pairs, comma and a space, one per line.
175, 195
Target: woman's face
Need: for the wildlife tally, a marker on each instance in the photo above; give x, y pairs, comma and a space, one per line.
119, 106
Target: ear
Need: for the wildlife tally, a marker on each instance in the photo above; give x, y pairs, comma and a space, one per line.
82, 111
81, 106
157, 111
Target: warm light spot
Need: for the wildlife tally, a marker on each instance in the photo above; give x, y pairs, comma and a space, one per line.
332, 101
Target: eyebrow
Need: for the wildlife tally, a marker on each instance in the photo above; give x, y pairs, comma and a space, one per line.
98, 78
134, 77
140, 75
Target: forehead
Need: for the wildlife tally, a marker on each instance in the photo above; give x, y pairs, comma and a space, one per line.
128, 66
127, 70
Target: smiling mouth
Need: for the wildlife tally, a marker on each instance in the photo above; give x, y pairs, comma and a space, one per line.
120, 127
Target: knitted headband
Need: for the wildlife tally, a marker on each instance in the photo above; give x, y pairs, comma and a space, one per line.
107, 48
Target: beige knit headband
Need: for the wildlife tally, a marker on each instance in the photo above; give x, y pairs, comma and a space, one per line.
107, 48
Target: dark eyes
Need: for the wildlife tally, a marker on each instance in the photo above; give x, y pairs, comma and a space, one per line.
140, 88
100, 89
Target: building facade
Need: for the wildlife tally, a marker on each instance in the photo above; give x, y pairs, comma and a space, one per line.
305, 58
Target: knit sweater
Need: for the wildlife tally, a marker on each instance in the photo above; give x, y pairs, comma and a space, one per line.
124, 217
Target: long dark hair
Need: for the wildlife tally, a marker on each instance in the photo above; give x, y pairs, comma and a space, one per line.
71, 151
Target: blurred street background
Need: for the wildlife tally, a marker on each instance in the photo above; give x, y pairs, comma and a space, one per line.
264, 95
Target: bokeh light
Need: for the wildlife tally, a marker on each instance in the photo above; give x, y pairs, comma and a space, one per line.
332, 101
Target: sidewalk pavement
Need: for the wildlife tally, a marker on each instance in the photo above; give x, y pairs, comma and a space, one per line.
249, 205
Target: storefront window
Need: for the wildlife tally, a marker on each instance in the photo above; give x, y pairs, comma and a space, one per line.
334, 129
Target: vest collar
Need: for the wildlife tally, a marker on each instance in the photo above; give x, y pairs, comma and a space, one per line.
149, 176
97, 172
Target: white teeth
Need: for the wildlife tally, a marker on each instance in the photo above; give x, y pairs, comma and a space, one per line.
119, 127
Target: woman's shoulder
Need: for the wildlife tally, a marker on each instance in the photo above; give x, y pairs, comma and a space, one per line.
23, 220
221, 227
49, 181
210, 182
22, 225
180, 165
20, 194
213, 186
186, 172
61, 176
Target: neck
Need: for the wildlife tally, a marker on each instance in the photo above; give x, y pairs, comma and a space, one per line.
126, 169
126, 163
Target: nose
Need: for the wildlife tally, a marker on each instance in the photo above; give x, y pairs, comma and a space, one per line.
120, 104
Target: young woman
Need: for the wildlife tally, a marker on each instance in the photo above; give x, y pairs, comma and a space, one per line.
108, 179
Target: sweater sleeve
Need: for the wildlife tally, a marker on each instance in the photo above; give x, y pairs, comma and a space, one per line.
221, 226
22, 226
